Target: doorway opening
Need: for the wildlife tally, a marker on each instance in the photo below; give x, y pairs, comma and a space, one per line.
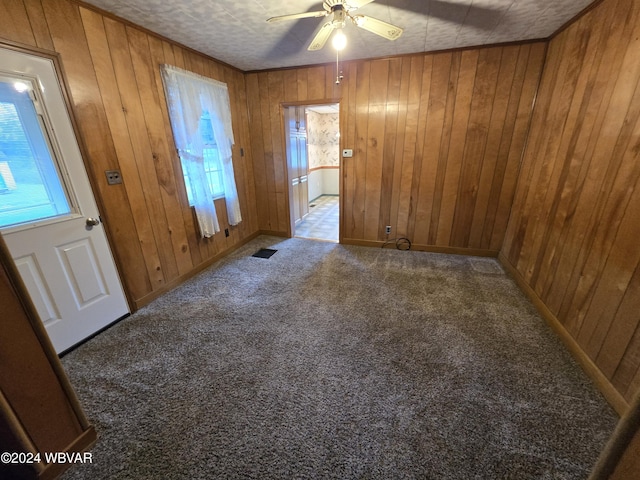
313, 160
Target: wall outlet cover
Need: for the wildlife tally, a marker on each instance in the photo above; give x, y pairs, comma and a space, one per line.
114, 177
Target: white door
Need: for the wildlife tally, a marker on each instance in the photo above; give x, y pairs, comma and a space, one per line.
48, 215
297, 163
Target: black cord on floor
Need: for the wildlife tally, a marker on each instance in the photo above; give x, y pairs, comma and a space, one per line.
402, 243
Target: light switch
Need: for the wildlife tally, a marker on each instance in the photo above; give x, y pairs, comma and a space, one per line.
347, 153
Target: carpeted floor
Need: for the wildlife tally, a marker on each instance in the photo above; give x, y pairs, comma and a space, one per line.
336, 362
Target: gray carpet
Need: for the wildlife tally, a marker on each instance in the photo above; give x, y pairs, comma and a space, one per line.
337, 362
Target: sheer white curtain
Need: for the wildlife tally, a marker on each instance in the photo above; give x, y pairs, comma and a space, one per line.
188, 97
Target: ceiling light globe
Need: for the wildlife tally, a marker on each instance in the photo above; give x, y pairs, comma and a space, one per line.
339, 40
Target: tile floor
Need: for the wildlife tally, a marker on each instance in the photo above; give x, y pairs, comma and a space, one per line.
322, 221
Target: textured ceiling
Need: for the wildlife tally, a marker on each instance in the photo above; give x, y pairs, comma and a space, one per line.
237, 32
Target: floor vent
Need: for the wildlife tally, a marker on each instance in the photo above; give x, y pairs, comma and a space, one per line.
264, 253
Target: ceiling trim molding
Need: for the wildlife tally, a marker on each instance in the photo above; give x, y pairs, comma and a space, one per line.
405, 55
570, 22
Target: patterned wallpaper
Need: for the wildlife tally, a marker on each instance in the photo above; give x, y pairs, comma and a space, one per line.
323, 139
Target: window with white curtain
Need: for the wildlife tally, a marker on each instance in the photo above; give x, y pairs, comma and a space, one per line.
212, 164
201, 122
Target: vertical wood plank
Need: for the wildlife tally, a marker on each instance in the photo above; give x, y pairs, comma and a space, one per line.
390, 162
473, 156
490, 184
38, 23
270, 175
257, 148
276, 96
379, 78
348, 140
315, 84
443, 151
14, 23
432, 115
410, 150
464, 93
528, 90
395, 144
420, 87
622, 328
356, 216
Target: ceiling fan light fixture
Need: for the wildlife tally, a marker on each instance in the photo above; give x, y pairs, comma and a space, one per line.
338, 11
339, 40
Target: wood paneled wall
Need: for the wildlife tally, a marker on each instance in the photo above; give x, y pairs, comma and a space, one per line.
113, 74
437, 141
266, 91
574, 234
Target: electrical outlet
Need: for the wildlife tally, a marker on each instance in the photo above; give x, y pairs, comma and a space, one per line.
113, 177
387, 229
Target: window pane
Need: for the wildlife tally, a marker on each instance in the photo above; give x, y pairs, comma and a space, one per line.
214, 171
211, 160
30, 188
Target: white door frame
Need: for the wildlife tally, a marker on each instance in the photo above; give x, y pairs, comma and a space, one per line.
303, 104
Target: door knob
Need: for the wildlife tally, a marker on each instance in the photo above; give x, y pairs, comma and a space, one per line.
92, 222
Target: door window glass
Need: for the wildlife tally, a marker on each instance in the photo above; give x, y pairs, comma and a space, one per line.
30, 184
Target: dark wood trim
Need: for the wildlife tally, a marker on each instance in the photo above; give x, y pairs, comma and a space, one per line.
573, 20
272, 233
311, 103
346, 63
619, 446
18, 431
83, 443
474, 252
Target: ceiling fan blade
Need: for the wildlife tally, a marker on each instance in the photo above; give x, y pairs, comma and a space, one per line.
321, 37
295, 16
373, 25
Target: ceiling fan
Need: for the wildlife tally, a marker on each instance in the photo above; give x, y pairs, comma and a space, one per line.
339, 11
